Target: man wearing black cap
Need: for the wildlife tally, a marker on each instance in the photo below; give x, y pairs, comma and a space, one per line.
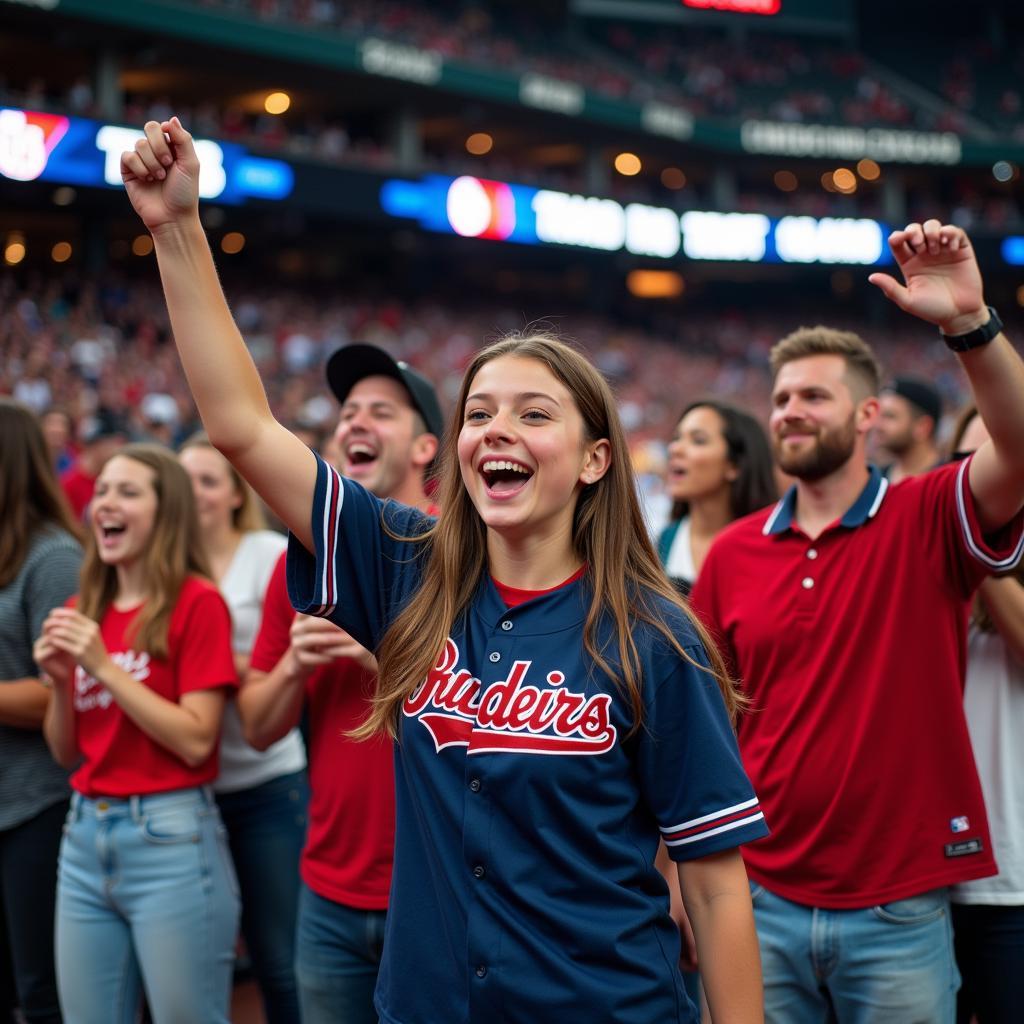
386, 439
908, 421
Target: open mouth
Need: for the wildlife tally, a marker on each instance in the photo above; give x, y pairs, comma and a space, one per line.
360, 455
110, 533
505, 476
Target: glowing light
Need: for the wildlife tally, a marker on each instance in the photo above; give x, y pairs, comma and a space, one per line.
61, 252
785, 181
628, 164
655, 284
64, 196
142, 245
652, 231
829, 240
232, 242
827, 183
477, 208
673, 178
868, 169
277, 102
579, 220
14, 251
725, 236
1003, 170
844, 180
479, 143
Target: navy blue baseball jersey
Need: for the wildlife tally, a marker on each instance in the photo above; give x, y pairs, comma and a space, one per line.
528, 819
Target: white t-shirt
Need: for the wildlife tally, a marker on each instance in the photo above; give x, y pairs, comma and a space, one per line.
994, 702
679, 564
244, 586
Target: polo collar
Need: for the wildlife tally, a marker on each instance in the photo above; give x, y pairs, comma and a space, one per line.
868, 502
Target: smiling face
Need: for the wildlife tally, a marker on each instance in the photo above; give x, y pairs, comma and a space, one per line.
377, 435
522, 449
815, 422
123, 510
214, 488
698, 457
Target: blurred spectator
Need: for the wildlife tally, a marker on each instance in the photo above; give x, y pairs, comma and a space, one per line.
101, 436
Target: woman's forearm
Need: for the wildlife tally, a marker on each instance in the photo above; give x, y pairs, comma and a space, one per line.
59, 725
175, 727
270, 703
23, 703
1004, 598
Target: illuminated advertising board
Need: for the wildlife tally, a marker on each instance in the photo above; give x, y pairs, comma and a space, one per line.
479, 208
77, 151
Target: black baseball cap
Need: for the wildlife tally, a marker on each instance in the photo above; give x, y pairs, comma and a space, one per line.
349, 365
919, 393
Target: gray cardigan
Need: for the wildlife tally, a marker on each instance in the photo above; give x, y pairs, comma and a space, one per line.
30, 780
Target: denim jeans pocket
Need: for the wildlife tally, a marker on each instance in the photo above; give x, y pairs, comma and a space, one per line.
928, 906
174, 823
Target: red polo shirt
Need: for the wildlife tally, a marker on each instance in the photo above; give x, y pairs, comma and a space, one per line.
851, 648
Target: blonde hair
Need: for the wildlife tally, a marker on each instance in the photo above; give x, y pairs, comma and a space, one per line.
861, 365
174, 552
248, 517
609, 536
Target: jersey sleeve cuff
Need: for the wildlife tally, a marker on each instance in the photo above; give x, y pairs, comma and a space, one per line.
312, 578
998, 551
724, 829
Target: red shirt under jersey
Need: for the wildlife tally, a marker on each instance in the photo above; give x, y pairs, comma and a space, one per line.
118, 758
78, 489
351, 836
851, 647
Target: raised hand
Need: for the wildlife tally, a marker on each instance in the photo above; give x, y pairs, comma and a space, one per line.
942, 280
161, 175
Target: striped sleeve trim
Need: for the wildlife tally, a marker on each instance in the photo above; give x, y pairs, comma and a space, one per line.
974, 544
724, 820
327, 539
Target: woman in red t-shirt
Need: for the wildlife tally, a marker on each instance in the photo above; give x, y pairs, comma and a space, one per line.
141, 664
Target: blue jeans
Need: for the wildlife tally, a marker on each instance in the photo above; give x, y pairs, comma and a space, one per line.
337, 955
266, 829
891, 964
990, 954
146, 895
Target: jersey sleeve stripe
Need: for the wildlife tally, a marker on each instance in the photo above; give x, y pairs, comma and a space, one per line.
713, 816
329, 540
747, 819
706, 829
997, 564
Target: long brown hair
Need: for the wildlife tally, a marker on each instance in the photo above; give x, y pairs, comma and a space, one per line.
249, 516
173, 554
609, 536
980, 616
31, 498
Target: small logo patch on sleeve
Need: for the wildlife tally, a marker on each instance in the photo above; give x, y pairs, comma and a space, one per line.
959, 824
964, 848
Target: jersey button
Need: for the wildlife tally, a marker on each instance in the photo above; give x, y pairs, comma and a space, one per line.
807, 583
506, 625
474, 785
481, 971
494, 656
812, 554
478, 871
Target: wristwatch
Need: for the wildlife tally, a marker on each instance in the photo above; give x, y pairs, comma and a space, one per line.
976, 338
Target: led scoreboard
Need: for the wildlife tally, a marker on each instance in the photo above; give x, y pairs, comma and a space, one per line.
833, 17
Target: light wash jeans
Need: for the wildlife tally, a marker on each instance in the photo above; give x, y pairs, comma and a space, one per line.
337, 954
890, 964
146, 895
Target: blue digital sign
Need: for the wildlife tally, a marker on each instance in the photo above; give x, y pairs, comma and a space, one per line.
78, 151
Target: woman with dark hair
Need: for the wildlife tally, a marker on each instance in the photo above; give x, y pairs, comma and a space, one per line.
39, 561
719, 469
988, 914
141, 666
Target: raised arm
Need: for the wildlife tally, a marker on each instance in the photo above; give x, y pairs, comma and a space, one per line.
161, 176
943, 287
